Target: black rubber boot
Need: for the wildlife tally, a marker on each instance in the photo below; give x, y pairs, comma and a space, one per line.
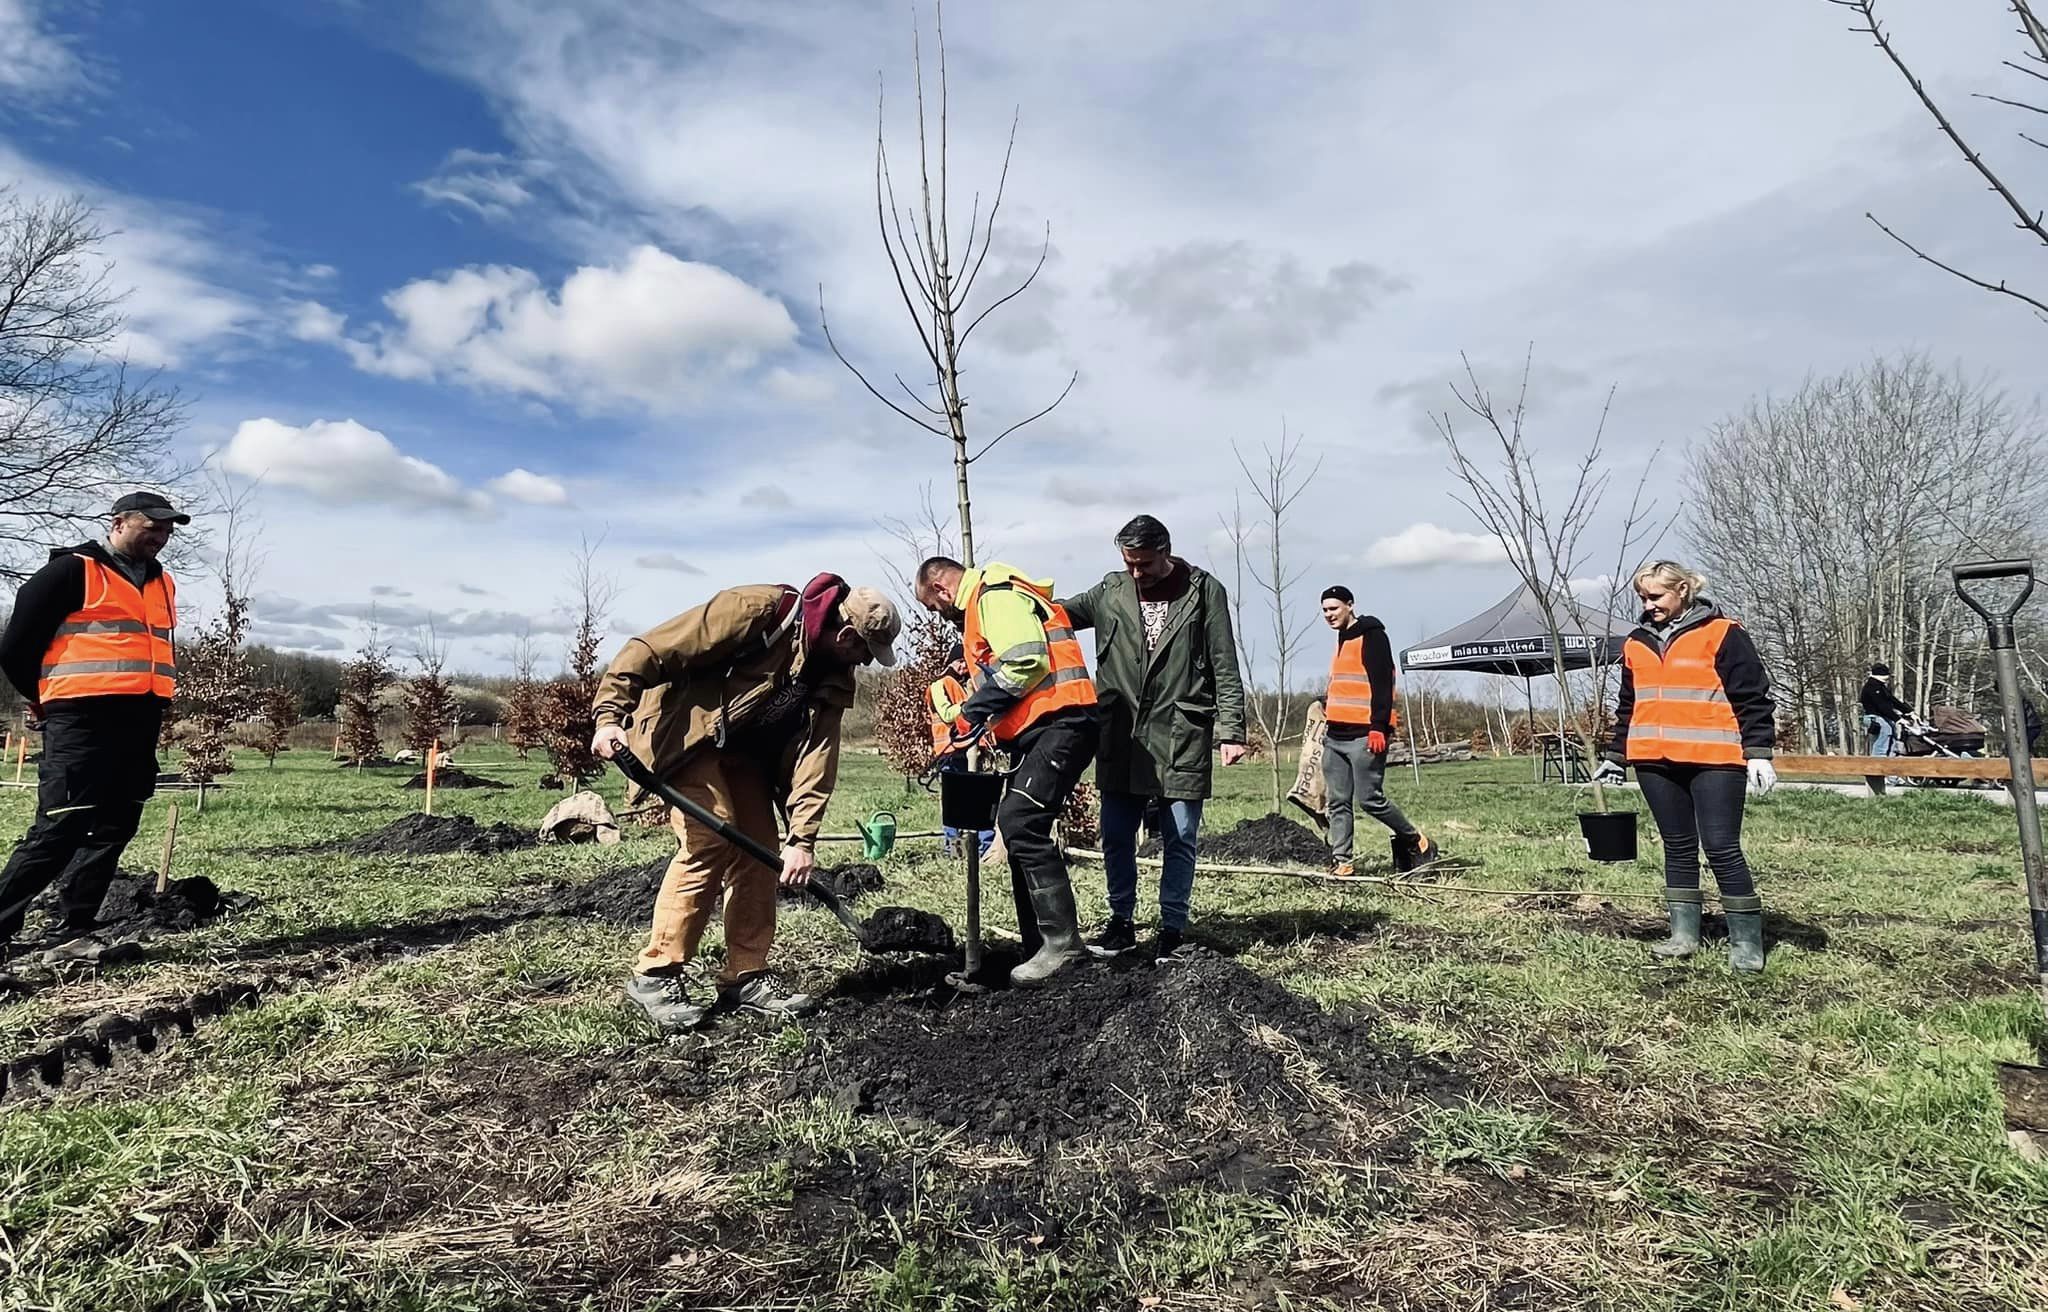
1745, 933
1684, 906
1059, 934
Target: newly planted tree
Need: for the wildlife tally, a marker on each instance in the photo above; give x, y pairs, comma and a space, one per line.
903, 721
213, 693
279, 707
524, 712
568, 721
363, 681
1276, 486
430, 710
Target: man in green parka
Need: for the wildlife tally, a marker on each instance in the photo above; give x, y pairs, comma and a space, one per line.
1168, 692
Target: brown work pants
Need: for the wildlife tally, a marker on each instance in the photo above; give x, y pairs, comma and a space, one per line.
705, 865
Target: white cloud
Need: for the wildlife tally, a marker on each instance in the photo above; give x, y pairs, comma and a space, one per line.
310, 321
320, 273
1420, 546
667, 560
343, 462
489, 185
766, 497
529, 487
34, 62
651, 330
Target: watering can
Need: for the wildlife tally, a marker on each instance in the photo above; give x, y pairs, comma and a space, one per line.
877, 835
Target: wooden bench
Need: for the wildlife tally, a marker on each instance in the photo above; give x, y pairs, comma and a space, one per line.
1874, 769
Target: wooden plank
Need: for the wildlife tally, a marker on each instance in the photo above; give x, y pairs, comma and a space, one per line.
1917, 767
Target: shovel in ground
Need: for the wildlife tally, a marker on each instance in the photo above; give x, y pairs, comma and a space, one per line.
890, 929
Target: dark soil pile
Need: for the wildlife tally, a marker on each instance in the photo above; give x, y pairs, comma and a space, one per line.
626, 897
450, 777
907, 929
1269, 840
437, 835
132, 904
1109, 1050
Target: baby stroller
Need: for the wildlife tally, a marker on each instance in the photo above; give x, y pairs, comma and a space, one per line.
1947, 731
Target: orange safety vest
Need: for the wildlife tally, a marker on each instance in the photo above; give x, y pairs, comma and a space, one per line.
1349, 700
1067, 685
117, 644
942, 732
1682, 714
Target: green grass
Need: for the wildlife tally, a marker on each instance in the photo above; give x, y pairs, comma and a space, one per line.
1633, 1135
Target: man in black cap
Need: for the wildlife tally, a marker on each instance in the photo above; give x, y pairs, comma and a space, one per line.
89, 648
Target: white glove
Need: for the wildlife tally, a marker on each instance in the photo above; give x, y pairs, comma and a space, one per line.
1610, 772
1763, 777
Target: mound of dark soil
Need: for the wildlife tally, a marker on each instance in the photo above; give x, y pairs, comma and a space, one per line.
907, 929
1269, 840
436, 835
1108, 1050
626, 896
133, 905
450, 777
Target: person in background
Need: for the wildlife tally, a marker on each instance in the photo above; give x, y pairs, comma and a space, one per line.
1169, 694
945, 698
1359, 710
1882, 710
89, 648
1695, 718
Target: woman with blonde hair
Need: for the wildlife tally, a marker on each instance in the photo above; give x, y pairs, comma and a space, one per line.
1695, 719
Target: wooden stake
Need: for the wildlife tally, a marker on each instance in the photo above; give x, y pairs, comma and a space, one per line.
433, 757
20, 757
163, 870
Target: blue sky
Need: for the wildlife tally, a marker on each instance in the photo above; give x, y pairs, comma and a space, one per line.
457, 285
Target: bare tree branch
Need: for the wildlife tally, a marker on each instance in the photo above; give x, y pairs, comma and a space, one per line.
1999, 286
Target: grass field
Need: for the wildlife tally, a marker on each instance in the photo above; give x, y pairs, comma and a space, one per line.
430, 1106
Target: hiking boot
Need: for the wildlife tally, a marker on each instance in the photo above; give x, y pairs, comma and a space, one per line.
1745, 933
1118, 937
758, 994
1415, 853
92, 950
666, 1000
1169, 944
1342, 869
1684, 906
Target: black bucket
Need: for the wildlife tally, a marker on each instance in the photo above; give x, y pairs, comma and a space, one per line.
967, 800
1610, 835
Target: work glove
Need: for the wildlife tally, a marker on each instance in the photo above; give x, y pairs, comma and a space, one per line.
1610, 772
1763, 777
1377, 741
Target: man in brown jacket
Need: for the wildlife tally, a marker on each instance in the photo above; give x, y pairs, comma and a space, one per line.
738, 705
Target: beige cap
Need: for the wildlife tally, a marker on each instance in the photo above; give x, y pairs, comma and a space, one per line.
873, 616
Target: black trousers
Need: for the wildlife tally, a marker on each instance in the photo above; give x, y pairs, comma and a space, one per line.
1051, 757
98, 768
1699, 806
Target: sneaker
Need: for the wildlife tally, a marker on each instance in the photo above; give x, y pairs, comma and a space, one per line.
666, 1001
1342, 869
1119, 937
758, 994
1169, 944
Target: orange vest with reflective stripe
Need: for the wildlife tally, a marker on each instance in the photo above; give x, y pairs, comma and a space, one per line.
1349, 700
117, 644
1682, 714
1068, 683
942, 732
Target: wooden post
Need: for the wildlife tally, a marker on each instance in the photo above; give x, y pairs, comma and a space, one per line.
163, 870
20, 757
337, 747
433, 756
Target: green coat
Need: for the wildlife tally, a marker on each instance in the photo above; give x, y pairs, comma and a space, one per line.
1162, 712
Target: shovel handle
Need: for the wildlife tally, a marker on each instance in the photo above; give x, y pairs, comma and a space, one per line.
1994, 569
636, 770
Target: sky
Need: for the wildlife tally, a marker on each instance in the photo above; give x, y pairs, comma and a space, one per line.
455, 287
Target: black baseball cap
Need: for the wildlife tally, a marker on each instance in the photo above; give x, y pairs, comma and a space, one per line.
152, 505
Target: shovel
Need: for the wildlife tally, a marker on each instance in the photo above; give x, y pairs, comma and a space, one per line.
2025, 1088
634, 769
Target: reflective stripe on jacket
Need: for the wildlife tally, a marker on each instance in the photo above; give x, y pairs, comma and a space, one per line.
1349, 699
1065, 683
118, 644
944, 697
1681, 712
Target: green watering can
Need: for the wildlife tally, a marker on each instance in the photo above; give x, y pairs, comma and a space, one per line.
877, 835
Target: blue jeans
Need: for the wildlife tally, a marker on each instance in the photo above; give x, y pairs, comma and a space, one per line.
956, 763
1880, 731
1122, 815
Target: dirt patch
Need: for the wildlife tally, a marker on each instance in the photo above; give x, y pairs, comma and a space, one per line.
907, 929
450, 777
1107, 1051
1268, 840
133, 906
438, 835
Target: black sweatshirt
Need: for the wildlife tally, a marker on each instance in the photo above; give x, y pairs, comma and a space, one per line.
1879, 700
1379, 671
1742, 675
45, 601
